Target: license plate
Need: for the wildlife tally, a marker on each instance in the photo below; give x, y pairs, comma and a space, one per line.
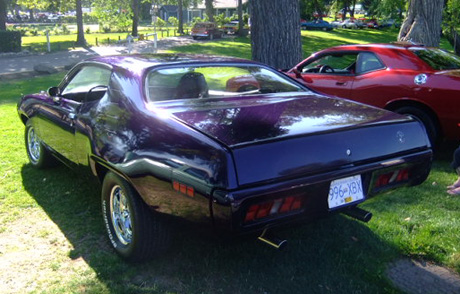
345, 191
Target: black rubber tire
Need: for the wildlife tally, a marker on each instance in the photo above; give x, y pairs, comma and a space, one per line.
430, 125
39, 156
147, 236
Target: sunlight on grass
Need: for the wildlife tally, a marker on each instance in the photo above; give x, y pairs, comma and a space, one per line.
53, 219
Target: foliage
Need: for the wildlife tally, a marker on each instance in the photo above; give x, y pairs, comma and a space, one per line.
11, 41
113, 15
199, 19
173, 20
451, 14
221, 19
160, 22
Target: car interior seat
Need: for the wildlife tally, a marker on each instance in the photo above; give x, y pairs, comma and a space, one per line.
192, 85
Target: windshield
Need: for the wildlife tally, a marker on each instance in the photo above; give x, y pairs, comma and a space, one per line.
215, 82
438, 59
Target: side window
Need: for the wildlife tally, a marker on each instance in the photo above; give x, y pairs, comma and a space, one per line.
367, 62
88, 78
333, 64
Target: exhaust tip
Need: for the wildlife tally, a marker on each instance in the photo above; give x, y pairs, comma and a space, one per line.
359, 214
272, 240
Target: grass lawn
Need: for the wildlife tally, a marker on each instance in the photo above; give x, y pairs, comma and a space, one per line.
64, 42
312, 41
52, 238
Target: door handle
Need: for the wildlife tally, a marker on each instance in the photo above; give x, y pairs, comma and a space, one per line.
341, 83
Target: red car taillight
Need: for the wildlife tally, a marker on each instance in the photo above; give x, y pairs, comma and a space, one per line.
393, 177
273, 207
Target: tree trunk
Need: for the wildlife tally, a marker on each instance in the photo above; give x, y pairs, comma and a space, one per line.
135, 8
240, 18
80, 33
2, 15
276, 39
210, 9
180, 28
423, 22
352, 8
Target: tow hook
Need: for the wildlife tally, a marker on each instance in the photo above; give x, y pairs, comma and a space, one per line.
272, 240
359, 214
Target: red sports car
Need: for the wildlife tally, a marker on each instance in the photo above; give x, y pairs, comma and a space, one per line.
410, 79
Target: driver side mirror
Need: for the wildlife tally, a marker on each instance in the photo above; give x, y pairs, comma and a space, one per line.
54, 91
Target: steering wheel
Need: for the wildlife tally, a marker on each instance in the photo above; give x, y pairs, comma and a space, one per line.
88, 94
326, 68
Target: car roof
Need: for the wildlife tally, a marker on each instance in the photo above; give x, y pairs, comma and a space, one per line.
138, 63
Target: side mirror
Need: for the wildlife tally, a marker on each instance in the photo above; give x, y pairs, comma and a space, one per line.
297, 73
54, 91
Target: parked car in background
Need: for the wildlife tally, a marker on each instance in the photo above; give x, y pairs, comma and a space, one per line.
410, 79
220, 141
231, 27
318, 24
335, 23
205, 30
372, 24
352, 24
389, 23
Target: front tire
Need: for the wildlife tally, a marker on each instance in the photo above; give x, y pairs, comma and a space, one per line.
133, 231
37, 153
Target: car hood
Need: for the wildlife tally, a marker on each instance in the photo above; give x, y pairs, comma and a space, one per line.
272, 117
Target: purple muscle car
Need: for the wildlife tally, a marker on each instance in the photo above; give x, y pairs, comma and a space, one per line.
222, 140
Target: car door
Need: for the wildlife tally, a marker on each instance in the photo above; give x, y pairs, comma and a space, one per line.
331, 73
374, 84
58, 123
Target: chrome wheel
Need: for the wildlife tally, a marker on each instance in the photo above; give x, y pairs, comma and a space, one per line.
121, 215
33, 145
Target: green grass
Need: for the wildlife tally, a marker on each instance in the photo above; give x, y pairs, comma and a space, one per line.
312, 41
64, 42
52, 238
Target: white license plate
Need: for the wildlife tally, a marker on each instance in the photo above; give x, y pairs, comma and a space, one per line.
345, 191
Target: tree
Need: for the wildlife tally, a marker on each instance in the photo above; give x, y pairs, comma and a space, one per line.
80, 32
423, 22
2, 15
180, 28
210, 9
451, 17
135, 8
275, 39
240, 18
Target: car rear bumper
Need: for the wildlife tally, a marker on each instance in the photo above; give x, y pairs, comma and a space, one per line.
231, 209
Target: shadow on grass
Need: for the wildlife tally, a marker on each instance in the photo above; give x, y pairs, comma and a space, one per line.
332, 255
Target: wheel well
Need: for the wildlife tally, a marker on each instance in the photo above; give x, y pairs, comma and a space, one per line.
24, 119
399, 104
100, 171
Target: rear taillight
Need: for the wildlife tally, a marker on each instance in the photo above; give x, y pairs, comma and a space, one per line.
391, 178
273, 207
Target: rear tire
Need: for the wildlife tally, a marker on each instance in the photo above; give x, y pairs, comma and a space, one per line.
420, 115
39, 156
134, 232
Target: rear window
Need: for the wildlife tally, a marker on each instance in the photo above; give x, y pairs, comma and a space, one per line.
190, 82
438, 59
